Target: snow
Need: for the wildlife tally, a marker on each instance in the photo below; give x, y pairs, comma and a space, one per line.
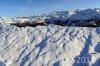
2, 64
50, 45
62, 15
85, 14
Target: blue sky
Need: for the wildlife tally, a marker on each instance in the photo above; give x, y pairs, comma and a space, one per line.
10, 8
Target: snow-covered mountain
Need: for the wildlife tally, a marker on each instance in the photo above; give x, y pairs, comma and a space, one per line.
87, 17
62, 15
72, 14
51, 45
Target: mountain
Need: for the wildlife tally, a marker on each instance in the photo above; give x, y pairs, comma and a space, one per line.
79, 18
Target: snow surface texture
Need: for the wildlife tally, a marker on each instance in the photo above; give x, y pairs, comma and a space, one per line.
49, 46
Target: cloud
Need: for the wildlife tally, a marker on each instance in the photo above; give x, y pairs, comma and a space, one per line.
29, 2
26, 6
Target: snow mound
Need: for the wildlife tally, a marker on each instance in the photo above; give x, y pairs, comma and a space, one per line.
49, 46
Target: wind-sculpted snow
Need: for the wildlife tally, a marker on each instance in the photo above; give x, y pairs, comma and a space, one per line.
50, 45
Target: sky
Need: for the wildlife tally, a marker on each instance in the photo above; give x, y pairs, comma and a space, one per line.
11, 8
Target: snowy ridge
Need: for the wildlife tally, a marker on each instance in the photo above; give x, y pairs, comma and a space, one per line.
62, 15
49, 46
72, 15
79, 18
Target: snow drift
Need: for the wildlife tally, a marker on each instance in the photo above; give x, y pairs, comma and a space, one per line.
49, 46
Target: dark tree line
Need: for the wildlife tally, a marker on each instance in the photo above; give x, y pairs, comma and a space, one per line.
28, 24
77, 23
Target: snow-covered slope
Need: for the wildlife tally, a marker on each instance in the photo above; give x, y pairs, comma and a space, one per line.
71, 15
85, 14
49, 46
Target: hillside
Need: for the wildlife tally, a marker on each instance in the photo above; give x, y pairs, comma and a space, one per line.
49, 46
